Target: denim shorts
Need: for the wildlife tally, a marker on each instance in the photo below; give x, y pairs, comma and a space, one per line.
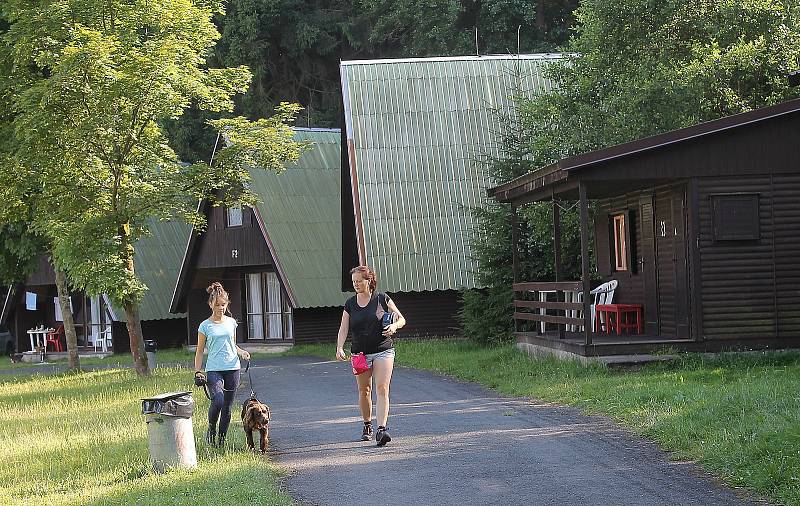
381, 355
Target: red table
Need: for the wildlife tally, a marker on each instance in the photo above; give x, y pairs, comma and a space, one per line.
619, 316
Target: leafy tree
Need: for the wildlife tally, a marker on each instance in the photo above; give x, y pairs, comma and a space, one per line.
21, 247
639, 67
86, 86
294, 47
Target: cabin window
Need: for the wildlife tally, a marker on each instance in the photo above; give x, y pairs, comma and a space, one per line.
735, 216
235, 216
269, 314
620, 243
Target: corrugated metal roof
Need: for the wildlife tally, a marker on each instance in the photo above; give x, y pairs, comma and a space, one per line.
417, 127
301, 212
157, 262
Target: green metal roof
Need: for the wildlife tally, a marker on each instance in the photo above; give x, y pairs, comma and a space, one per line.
415, 128
157, 262
301, 212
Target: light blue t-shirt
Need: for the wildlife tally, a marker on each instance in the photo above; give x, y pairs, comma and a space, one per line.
221, 344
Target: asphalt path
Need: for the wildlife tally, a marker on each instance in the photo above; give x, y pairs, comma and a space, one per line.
458, 443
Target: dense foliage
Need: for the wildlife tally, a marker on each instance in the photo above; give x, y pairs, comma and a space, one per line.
638, 68
85, 87
293, 47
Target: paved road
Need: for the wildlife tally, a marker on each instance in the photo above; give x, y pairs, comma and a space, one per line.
457, 443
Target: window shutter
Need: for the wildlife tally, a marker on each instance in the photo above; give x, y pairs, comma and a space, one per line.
602, 244
630, 240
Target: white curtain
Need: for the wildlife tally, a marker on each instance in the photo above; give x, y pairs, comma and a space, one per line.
95, 319
255, 317
57, 305
234, 216
274, 307
30, 301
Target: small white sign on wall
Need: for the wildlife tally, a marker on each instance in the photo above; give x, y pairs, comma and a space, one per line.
234, 253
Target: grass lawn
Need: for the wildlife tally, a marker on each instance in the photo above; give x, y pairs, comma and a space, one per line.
70, 439
738, 416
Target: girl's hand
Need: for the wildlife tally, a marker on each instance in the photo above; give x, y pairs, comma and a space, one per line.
390, 330
340, 354
245, 354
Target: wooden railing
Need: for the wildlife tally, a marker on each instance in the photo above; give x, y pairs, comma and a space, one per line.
564, 290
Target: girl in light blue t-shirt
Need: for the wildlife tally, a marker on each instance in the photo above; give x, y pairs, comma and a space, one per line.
217, 334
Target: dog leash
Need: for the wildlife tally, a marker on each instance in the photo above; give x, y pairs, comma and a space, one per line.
249, 379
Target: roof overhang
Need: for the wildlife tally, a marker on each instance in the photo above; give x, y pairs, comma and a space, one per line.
7, 303
563, 176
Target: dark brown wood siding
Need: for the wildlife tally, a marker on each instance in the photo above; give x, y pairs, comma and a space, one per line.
630, 289
43, 275
428, 314
318, 324
197, 308
738, 277
223, 246
765, 147
786, 219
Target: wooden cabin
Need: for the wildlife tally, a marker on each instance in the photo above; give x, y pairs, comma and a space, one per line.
699, 226
279, 260
99, 325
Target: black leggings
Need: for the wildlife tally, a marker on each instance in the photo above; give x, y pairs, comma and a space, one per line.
222, 386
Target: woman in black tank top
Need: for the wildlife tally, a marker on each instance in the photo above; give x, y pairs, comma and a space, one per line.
361, 321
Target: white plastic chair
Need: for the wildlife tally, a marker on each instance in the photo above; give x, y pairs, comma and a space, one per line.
103, 340
603, 294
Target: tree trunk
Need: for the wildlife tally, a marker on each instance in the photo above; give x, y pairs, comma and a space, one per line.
137, 340
132, 311
66, 316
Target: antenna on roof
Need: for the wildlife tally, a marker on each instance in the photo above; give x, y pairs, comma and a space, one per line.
794, 78
213, 151
519, 27
477, 53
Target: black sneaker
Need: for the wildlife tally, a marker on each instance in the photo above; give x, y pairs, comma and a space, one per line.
366, 435
221, 441
210, 434
382, 436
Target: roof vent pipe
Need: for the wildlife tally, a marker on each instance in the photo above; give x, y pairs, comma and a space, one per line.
794, 78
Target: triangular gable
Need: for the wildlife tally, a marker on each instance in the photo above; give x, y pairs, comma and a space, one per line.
299, 218
416, 130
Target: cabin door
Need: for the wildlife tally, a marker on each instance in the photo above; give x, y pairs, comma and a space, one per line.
647, 264
670, 252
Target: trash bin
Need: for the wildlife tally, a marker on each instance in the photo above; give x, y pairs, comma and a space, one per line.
150, 350
169, 430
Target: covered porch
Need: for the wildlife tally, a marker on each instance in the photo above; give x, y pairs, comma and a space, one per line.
640, 317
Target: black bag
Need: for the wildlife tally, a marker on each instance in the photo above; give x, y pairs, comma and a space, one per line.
388, 317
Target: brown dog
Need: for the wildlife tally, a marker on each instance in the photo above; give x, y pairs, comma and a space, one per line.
255, 416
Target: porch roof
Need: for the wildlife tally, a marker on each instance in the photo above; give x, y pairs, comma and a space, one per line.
562, 177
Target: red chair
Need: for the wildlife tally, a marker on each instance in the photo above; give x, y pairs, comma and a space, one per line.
56, 338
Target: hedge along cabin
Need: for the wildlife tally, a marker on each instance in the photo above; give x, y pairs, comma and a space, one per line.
280, 260
101, 327
418, 132
699, 226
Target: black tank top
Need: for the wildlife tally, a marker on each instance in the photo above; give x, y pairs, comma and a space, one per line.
365, 329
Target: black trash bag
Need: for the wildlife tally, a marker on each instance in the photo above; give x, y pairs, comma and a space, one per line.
171, 404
